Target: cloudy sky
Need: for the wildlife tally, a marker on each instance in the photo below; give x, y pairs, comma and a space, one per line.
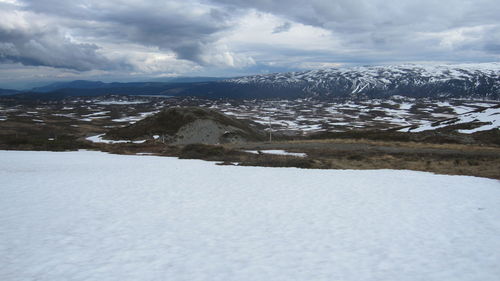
130, 40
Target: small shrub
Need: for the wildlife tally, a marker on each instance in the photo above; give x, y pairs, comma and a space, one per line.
202, 151
356, 157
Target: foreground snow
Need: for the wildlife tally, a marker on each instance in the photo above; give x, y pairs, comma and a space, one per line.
97, 216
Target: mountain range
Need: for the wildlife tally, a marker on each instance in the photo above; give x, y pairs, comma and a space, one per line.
468, 81
4, 92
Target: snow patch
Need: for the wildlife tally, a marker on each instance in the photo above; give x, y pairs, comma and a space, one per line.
277, 152
118, 102
99, 139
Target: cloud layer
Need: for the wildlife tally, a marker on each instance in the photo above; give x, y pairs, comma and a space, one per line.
229, 37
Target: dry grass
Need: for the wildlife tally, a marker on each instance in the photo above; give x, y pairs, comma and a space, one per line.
480, 167
452, 164
409, 144
453, 159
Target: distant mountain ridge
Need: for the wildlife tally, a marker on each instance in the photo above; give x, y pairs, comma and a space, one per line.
194, 79
87, 84
467, 81
464, 80
77, 84
8, 92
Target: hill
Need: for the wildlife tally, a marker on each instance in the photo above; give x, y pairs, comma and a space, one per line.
187, 125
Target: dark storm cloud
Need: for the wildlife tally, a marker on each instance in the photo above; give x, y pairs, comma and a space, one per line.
186, 35
186, 28
49, 48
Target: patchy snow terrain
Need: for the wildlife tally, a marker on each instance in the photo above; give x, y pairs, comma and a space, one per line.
289, 117
96, 216
488, 119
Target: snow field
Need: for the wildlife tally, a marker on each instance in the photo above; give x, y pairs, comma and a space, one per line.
96, 216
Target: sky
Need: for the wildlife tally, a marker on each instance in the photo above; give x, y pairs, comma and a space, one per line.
139, 40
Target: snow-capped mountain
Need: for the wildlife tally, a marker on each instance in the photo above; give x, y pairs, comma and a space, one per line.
465, 81
458, 81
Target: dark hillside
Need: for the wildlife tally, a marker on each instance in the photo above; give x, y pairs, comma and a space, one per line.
189, 125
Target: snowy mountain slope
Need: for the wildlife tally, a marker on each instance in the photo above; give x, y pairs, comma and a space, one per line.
95, 216
461, 80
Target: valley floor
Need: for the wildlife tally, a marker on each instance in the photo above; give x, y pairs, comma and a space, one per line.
457, 137
97, 216
451, 159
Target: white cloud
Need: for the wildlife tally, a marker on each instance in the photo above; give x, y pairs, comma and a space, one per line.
257, 28
11, 2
